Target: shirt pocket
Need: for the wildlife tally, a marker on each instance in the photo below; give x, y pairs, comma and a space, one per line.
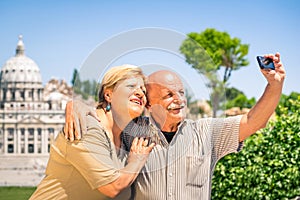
197, 170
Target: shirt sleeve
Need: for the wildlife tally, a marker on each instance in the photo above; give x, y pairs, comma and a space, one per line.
225, 136
93, 156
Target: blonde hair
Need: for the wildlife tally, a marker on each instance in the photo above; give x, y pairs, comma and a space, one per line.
115, 75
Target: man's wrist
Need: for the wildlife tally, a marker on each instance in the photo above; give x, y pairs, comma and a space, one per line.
276, 87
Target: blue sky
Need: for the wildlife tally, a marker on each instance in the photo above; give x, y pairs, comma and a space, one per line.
60, 35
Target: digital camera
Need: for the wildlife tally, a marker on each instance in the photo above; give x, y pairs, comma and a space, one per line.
265, 63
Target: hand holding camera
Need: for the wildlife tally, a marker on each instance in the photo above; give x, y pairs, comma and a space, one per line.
272, 68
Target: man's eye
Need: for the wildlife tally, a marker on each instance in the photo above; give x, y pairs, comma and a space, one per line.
169, 94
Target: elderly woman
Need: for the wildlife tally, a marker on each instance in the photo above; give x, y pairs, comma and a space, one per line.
97, 167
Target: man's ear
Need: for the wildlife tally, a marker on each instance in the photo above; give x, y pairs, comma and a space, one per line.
108, 95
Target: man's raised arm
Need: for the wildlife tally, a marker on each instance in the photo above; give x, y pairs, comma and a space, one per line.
260, 113
75, 119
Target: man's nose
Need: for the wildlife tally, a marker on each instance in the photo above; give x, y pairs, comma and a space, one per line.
178, 97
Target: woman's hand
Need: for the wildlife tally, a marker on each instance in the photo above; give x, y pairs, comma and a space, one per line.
140, 150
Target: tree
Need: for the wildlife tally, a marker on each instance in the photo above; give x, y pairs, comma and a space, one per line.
269, 166
94, 90
232, 93
240, 101
236, 98
210, 50
85, 88
76, 82
75, 77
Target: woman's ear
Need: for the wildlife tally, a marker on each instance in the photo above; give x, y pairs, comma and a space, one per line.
148, 105
108, 95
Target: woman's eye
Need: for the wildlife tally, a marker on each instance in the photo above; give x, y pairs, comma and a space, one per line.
130, 86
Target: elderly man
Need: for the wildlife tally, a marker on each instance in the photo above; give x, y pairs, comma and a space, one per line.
181, 164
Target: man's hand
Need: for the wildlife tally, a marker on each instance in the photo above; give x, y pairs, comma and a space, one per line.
75, 116
275, 77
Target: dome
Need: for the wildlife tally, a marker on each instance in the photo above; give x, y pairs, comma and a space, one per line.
20, 68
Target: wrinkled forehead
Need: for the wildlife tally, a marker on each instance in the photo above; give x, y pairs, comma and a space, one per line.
132, 80
166, 82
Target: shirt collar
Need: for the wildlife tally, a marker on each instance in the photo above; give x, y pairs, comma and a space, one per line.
160, 134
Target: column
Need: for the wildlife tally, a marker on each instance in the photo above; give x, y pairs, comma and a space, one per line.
17, 93
5, 141
22, 94
35, 95
16, 149
8, 95
26, 140
45, 140
41, 94
18, 141
35, 141
26, 95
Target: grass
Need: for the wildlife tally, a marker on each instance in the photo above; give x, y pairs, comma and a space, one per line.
16, 193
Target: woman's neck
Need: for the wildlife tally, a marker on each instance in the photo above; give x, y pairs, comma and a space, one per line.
116, 131
111, 126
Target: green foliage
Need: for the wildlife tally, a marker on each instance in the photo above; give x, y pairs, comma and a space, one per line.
210, 50
13, 193
219, 46
236, 98
241, 101
269, 165
75, 77
286, 102
232, 93
84, 88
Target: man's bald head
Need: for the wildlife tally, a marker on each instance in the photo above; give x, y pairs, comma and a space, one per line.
162, 79
166, 99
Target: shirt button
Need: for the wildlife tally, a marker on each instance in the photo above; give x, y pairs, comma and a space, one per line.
170, 174
170, 193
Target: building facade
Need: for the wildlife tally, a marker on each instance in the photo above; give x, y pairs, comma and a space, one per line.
29, 119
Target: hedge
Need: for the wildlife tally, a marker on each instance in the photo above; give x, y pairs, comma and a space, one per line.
268, 167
